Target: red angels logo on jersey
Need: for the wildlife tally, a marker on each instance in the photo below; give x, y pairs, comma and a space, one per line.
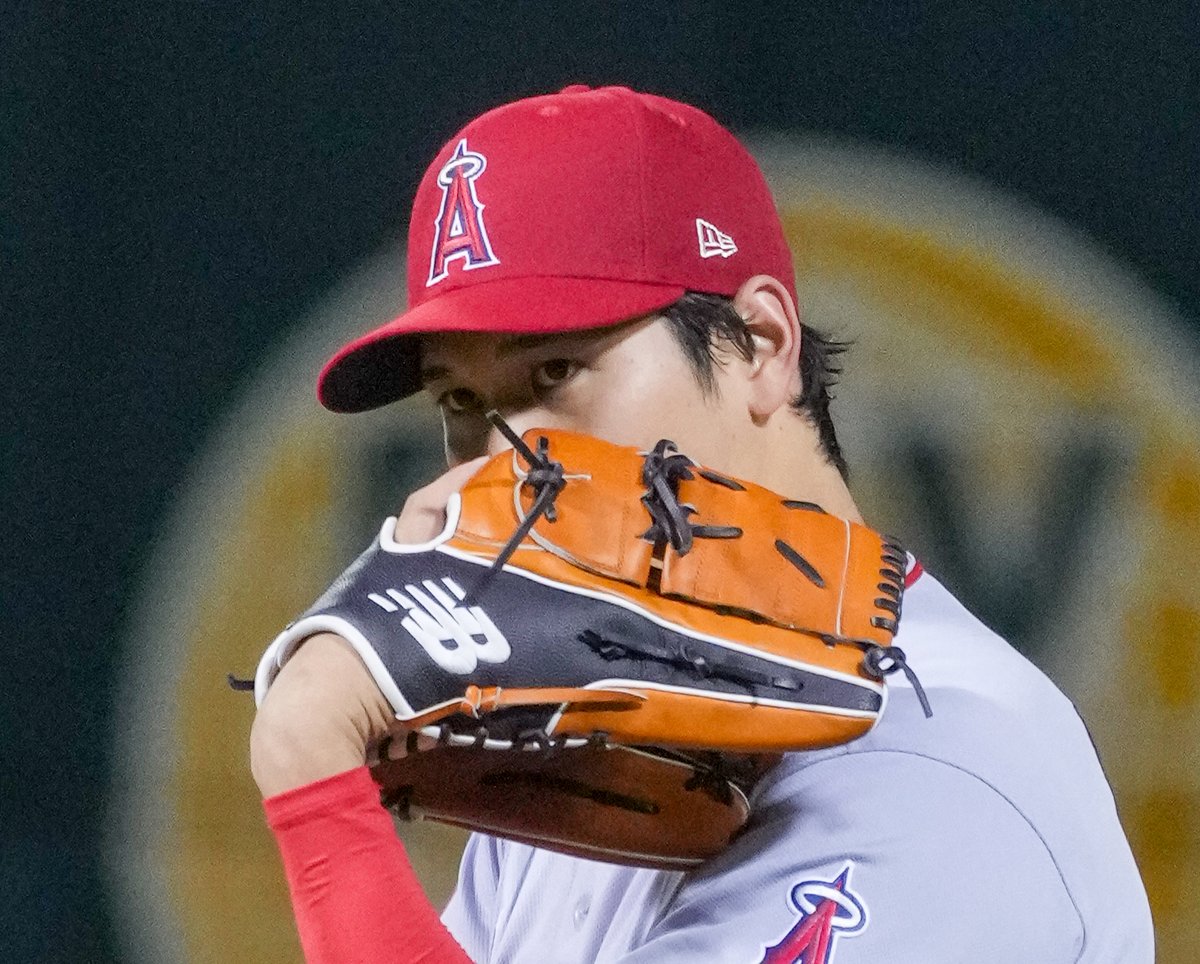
828, 910
459, 232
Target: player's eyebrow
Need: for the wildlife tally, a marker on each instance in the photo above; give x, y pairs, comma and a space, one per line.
518, 343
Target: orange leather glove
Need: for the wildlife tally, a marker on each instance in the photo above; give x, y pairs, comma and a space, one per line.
605, 648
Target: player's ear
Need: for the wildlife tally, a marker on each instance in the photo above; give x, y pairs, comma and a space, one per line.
773, 377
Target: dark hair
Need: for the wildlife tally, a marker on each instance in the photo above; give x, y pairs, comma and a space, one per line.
703, 324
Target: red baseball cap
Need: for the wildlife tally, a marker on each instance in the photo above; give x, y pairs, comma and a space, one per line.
564, 212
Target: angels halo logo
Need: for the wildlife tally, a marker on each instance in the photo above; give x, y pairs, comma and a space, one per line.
1017, 408
459, 231
828, 910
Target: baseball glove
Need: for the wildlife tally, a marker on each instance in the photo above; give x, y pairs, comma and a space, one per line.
605, 648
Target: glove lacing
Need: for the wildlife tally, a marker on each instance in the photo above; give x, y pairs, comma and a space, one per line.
546, 477
882, 661
663, 469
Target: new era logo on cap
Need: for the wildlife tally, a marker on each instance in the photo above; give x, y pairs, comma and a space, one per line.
713, 241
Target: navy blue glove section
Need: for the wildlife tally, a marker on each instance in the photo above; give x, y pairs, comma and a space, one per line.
432, 625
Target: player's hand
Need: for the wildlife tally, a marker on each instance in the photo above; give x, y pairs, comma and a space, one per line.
424, 512
324, 713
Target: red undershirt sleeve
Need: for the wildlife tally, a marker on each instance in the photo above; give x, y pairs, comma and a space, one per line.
354, 893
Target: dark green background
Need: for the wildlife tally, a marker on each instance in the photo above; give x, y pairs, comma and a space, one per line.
181, 180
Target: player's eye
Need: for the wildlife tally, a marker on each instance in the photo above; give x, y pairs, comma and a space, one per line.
550, 374
458, 401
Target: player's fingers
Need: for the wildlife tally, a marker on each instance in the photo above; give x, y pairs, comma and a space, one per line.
424, 512
396, 748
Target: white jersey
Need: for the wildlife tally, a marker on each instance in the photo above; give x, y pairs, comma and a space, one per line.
985, 834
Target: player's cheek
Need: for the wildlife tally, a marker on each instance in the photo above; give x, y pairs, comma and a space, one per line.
587, 404
632, 400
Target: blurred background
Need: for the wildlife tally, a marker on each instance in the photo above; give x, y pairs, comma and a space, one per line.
997, 202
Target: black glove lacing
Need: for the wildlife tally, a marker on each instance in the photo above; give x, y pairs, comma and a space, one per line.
662, 471
714, 773
882, 661
547, 479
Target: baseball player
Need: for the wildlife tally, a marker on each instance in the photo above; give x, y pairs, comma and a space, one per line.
611, 263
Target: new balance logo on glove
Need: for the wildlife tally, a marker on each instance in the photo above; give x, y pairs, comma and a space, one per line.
456, 637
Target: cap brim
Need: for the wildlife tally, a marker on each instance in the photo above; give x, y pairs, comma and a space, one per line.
384, 365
